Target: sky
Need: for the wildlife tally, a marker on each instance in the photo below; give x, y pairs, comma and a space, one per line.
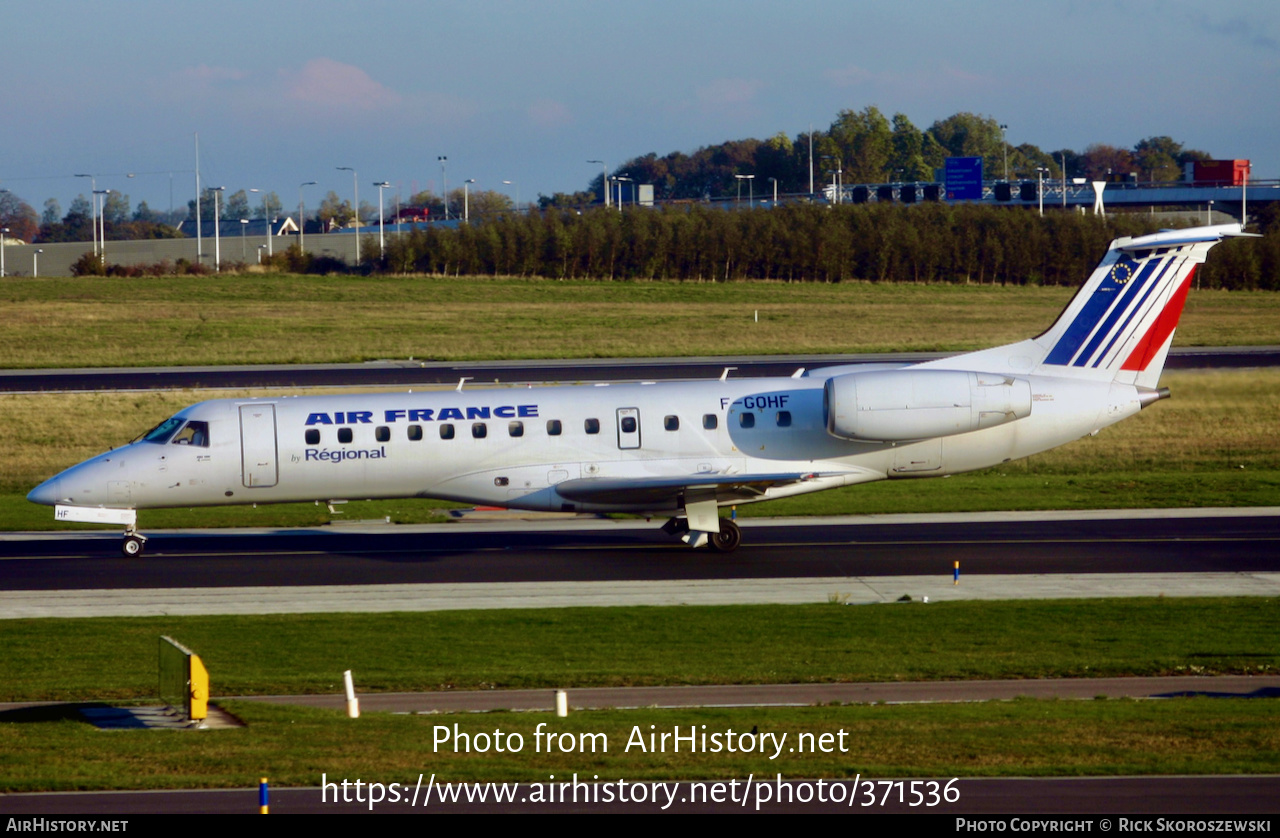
285, 92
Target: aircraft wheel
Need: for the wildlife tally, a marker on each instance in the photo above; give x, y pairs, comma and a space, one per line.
728, 539
132, 546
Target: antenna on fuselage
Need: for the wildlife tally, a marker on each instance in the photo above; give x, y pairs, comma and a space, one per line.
724, 376
462, 381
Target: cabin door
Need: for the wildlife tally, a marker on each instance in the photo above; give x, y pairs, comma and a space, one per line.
628, 427
258, 444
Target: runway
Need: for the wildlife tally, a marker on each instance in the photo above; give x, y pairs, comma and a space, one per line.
586, 562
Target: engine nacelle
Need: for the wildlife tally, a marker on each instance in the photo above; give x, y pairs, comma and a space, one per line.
906, 404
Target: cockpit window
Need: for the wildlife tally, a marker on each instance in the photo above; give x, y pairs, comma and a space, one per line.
195, 433
161, 433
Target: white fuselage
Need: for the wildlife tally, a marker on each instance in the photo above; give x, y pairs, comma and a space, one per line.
512, 447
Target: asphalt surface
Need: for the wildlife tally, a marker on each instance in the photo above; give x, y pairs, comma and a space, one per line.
403, 373
504, 551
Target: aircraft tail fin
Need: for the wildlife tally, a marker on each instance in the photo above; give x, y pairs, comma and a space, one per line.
1119, 326
1121, 323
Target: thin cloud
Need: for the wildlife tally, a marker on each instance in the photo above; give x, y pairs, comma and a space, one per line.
548, 113
334, 85
728, 92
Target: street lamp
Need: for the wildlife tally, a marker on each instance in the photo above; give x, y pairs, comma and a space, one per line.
217, 228
355, 186
102, 218
382, 246
619, 179
1004, 144
774, 181
1040, 170
604, 180
35, 262
4, 231
244, 245
302, 217
517, 186
444, 179
751, 195
466, 199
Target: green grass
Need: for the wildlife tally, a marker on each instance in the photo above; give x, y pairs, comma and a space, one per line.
257, 318
114, 659
51, 750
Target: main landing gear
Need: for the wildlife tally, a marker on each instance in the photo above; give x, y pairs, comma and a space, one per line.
133, 543
726, 541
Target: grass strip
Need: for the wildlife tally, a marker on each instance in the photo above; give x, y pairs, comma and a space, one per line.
282, 319
101, 659
52, 750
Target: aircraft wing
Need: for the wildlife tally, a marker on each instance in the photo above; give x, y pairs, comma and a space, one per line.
661, 490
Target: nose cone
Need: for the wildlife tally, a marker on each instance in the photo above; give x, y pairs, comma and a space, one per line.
47, 493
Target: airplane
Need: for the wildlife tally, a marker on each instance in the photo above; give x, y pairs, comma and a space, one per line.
680, 450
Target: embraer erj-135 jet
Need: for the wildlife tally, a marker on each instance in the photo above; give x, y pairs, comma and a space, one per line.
678, 449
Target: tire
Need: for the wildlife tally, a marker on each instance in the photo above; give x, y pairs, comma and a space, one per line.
728, 539
132, 546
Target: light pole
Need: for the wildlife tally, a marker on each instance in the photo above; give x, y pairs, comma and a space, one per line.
1064, 180
1040, 170
302, 217
382, 245
244, 245
4, 231
619, 179
604, 180
751, 195
466, 199
517, 186
102, 218
217, 228
1004, 145
444, 179
35, 262
355, 187
774, 181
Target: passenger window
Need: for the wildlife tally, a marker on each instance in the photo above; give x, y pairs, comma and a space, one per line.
313, 436
747, 420
784, 418
479, 430
592, 426
446, 431
710, 422
628, 424
515, 428
553, 427
671, 423
344, 434
382, 433
195, 433
415, 433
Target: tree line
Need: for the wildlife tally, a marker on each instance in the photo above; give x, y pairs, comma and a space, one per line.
926, 243
867, 147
